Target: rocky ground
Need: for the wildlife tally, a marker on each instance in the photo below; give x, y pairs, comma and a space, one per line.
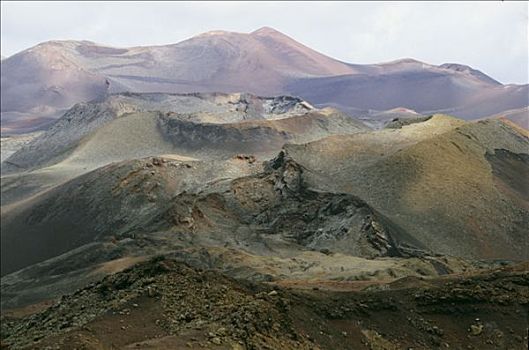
164, 304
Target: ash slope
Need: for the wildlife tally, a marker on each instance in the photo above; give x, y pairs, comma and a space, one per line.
270, 212
442, 180
264, 62
437, 186
127, 126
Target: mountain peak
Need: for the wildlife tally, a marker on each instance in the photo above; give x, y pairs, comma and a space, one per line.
65, 42
462, 68
404, 61
263, 31
266, 31
214, 33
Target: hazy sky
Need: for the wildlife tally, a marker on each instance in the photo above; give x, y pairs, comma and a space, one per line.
490, 36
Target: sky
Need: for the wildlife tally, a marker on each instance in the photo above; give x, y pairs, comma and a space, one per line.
489, 36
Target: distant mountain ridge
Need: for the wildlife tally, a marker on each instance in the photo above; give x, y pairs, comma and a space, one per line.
212, 125
45, 80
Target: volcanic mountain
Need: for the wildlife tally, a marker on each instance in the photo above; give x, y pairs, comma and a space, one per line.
438, 186
156, 212
131, 177
442, 180
43, 81
202, 125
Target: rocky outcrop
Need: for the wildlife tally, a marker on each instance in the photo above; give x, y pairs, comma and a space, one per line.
163, 303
